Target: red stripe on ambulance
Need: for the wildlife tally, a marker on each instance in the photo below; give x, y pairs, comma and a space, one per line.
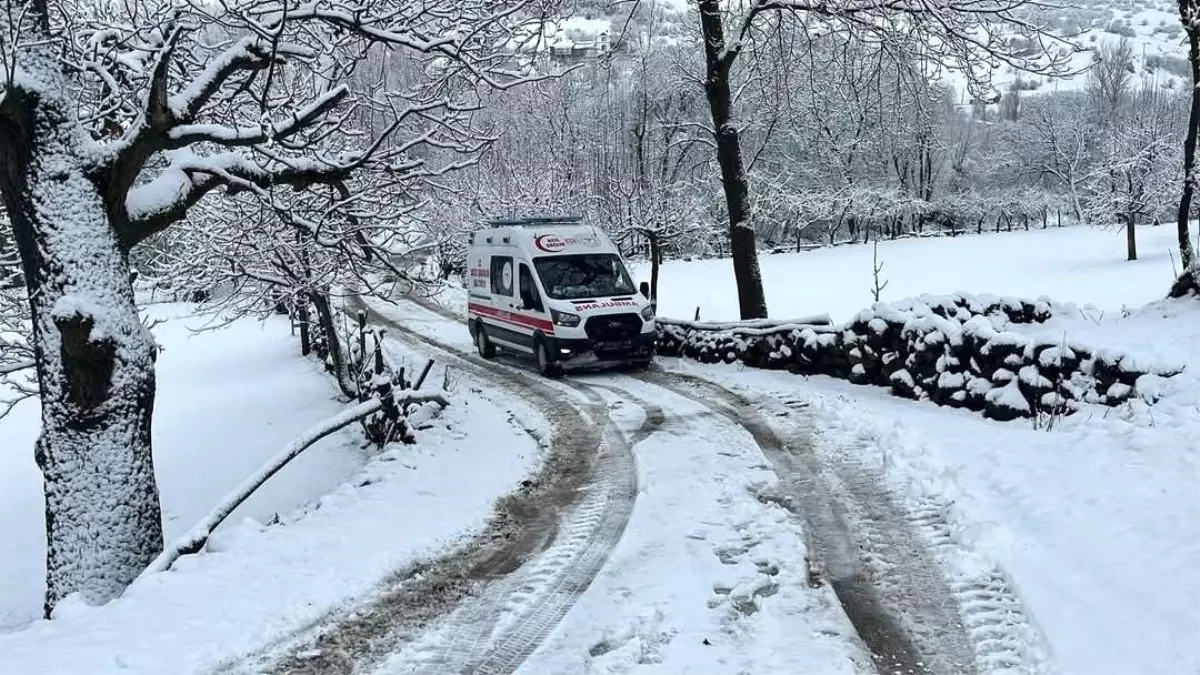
512, 317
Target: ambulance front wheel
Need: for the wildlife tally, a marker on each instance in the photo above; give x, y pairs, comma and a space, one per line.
486, 349
545, 365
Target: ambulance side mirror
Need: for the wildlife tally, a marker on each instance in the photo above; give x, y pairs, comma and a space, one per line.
644, 288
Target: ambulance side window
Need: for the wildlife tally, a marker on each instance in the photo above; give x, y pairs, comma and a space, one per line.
529, 293
502, 275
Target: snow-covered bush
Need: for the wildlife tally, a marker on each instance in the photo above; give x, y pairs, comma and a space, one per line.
953, 350
369, 367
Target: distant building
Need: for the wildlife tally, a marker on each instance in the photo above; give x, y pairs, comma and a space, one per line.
577, 45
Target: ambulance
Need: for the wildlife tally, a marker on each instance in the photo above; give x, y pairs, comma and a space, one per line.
556, 289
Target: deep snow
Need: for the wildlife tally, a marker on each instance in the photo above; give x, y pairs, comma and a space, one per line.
1072, 264
257, 584
226, 400
1096, 521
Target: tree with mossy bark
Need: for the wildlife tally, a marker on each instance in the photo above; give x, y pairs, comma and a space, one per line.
117, 119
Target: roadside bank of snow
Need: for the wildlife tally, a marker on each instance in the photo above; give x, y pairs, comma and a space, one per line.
226, 400
257, 584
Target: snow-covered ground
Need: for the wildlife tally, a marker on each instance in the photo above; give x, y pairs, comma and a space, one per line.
1074, 264
347, 517
707, 578
1096, 520
226, 400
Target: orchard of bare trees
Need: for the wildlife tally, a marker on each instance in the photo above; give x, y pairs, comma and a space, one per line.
266, 154
843, 133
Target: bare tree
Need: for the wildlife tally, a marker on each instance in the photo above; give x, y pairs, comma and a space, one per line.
934, 35
1060, 146
114, 122
1189, 14
1137, 162
1110, 79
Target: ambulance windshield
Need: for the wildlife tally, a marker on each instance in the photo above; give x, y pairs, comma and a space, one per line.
592, 275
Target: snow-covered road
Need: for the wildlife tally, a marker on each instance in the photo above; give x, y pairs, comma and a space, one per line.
706, 535
710, 574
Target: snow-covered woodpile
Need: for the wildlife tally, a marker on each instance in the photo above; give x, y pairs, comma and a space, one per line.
954, 350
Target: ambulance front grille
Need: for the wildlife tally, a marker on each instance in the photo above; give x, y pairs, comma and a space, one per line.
613, 327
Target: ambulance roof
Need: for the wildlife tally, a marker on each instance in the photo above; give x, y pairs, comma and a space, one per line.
538, 237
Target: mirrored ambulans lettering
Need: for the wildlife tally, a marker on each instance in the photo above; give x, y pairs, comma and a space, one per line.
603, 305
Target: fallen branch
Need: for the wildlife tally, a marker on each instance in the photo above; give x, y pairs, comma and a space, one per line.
197, 537
11, 368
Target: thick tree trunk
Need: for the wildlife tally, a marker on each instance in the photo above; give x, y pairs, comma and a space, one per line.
1186, 254
751, 300
95, 358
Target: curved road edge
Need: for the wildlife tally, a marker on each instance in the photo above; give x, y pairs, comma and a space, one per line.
357, 638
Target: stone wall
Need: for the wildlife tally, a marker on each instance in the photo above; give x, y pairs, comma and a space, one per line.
953, 350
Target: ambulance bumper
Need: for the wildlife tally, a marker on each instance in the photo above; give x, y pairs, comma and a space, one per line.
582, 351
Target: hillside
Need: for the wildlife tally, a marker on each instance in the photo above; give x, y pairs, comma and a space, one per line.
1151, 26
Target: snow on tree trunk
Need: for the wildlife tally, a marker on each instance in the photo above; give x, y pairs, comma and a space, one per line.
95, 358
1188, 14
320, 300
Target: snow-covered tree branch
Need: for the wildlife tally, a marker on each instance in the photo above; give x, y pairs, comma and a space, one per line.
117, 120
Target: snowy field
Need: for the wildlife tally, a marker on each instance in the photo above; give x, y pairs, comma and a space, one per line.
1080, 265
346, 517
226, 400
1097, 520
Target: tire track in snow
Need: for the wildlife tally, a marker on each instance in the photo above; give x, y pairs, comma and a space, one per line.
494, 634
509, 621
358, 638
1005, 637
889, 586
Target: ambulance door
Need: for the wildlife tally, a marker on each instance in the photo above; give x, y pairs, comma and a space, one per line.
509, 326
530, 297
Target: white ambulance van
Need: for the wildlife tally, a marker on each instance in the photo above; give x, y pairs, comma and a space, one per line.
556, 289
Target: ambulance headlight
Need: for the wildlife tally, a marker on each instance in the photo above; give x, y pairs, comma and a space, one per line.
564, 318
648, 313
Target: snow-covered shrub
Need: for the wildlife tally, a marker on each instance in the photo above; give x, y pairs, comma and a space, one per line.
953, 350
371, 370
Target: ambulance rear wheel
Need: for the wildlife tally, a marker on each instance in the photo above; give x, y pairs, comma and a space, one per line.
545, 365
486, 349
